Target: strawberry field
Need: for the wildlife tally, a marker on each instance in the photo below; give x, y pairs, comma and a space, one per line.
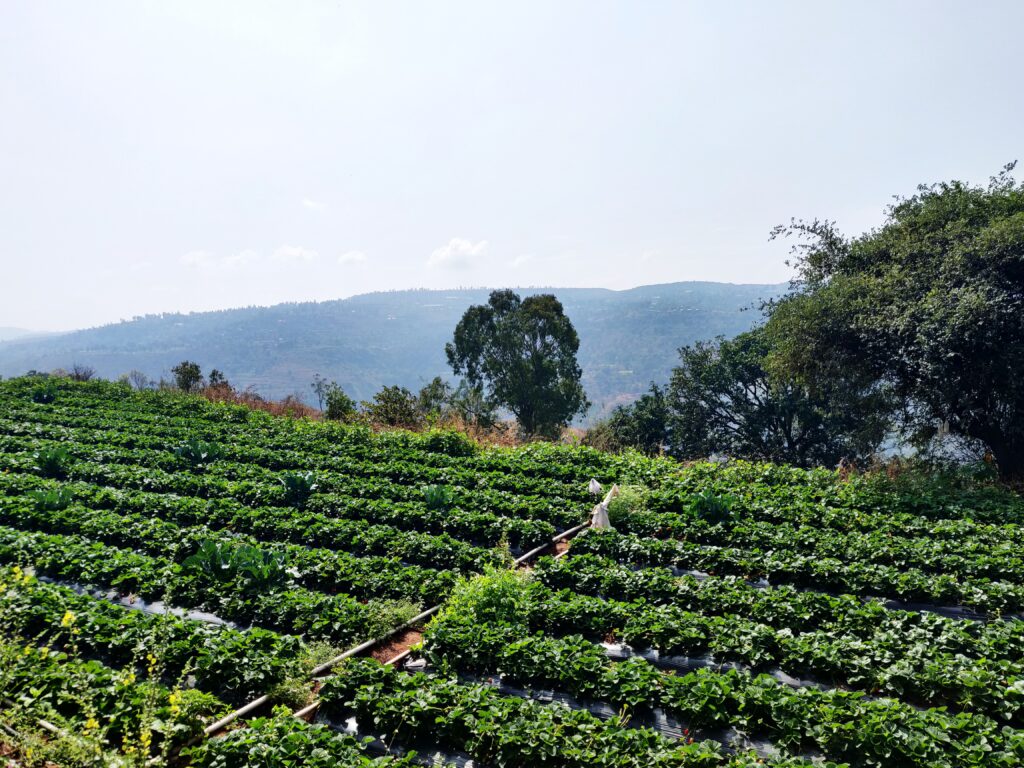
165, 562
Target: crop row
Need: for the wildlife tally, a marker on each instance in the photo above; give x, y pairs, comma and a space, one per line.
900, 662
97, 404
415, 709
168, 531
480, 528
783, 607
257, 487
806, 570
234, 665
338, 619
845, 726
105, 705
325, 570
285, 741
958, 554
783, 491
156, 450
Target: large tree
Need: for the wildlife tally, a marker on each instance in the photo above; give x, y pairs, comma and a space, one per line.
523, 351
721, 399
930, 304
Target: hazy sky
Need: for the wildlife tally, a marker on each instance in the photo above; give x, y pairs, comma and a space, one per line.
161, 156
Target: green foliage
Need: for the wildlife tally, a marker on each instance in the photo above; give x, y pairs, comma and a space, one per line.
198, 453
52, 500
52, 462
251, 568
643, 425
340, 407
473, 408
711, 507
283, 741
449, 442
930, 305
298, 487
188, 376
433, 400
45, 393
437, 497
631, 499
524, 352
723, 400
394, 407
498, 596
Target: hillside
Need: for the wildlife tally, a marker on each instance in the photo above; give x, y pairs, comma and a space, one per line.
738, 615
627, 338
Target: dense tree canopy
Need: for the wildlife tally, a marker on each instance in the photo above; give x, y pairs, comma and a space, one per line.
722, 400
929, 305
523, 351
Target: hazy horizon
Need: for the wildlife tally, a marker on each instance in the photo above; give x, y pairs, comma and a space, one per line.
208, 155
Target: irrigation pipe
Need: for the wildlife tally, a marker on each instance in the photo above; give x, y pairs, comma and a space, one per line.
225, 721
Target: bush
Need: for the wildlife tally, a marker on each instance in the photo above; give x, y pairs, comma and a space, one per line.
188, 376
251, 568
394, 407
198, 453
52, 462
437, 497
711, 507
298, 487
52, 500
340, 407
44, 394
448, 442
631, 498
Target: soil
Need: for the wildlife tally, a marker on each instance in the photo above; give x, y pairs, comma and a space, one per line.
396, 645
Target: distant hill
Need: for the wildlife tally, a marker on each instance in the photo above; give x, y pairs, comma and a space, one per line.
9, 334
627, 338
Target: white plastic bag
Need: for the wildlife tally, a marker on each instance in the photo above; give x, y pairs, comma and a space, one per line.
594, 487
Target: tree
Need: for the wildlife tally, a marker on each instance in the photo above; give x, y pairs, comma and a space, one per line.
931, 305
188, 377
524, 352
340, 407
79, 372
138, 379
321, 387
643, 424
722, 399
433, 400
394, 407
218, 379
473, 408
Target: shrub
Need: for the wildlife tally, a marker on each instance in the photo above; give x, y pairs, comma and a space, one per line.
631, 498
711, 507
340, 407
253, 569
51, 500
437, 497
298, 487
44, 393
52, 462
448, 442
198, 453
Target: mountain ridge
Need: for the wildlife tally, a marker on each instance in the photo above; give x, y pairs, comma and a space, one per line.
397, 337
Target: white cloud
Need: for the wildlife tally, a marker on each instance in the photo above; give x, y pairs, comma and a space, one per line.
208, 259
352, 257
313, 205
459, 253
522, 260
293, 253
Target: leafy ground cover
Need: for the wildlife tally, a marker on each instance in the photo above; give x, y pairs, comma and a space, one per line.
164, 560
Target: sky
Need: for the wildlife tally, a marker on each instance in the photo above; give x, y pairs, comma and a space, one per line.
184, 156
